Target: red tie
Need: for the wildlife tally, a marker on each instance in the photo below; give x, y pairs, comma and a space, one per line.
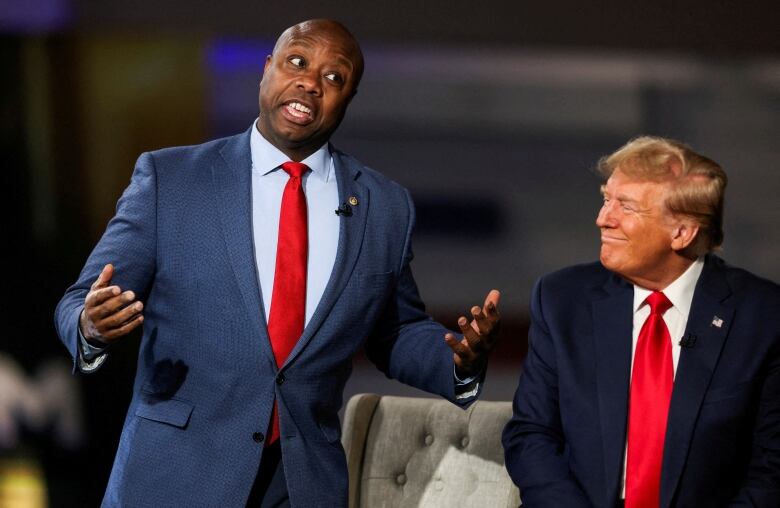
288, 303
651, 391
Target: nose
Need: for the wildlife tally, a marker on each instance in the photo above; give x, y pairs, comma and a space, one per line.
309, 82
605, 218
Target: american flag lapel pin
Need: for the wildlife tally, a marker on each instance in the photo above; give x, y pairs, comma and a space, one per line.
717, 322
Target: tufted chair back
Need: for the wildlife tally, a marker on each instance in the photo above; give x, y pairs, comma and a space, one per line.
418, 452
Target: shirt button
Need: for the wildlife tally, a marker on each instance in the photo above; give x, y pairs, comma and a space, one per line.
258, 437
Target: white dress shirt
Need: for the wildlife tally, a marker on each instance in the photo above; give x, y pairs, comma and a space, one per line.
680, 293
322, 199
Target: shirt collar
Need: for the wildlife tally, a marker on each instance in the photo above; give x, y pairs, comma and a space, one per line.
266, 158
679, 292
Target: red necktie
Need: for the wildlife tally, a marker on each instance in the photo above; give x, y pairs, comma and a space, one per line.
288, 303
651, 391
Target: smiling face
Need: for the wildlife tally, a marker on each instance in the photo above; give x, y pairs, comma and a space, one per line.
640, 239
306, 87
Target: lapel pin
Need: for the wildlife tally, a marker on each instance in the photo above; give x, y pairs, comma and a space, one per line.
353, 200
717, 322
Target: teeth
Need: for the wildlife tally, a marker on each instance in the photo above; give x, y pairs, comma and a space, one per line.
300, 107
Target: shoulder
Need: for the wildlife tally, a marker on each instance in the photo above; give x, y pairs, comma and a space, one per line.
204, 151
367, 176
744, 284
575, 278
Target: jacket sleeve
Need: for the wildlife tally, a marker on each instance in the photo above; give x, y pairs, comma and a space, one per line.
761, 486
406, 344
534, 445
129, 243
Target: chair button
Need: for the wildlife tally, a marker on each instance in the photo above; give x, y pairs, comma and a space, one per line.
258, 437
428, 440
464, 442
400, 479
280, 378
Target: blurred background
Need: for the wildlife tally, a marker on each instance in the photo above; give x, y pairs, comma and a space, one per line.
492, 113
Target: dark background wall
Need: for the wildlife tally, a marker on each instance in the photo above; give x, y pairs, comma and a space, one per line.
492, 113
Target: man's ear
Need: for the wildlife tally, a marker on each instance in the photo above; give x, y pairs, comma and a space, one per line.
265, 69
684, 235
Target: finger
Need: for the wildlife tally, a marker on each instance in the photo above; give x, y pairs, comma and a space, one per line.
97, 297
126, 328
481, 323
491, 302
119, 317
111, 306
114, 324
473, 340
457, 346
105, 277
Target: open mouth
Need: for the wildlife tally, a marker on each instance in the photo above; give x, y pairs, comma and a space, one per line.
297, 112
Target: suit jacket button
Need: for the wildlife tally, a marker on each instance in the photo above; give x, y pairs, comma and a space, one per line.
280, 378
258, 437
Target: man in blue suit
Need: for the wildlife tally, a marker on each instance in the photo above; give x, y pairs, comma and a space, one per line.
254, 296
653, 377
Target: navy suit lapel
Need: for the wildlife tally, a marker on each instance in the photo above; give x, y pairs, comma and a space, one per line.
709, 321
232, 177
612, 327
351, 229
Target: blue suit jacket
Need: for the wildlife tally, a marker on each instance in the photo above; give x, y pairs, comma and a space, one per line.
565, 442
206, 379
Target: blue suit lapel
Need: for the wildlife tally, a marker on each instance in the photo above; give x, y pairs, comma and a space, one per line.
695, 369
612, 326
351, 231
232, 177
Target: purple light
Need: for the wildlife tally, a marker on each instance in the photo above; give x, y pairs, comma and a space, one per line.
229, 56
35, 16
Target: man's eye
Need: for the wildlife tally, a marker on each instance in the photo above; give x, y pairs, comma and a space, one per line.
296, 61
335, 77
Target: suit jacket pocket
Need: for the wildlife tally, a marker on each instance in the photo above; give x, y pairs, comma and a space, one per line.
171, 411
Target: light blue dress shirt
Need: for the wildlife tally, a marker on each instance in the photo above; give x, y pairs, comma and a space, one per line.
322, 199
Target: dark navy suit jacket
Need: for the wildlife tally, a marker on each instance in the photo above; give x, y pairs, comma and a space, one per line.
565, 442
206, 380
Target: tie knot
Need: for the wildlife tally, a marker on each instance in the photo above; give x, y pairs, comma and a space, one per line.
658, 302
295, 169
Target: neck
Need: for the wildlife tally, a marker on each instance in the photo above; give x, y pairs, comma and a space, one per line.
664, 276
295, 153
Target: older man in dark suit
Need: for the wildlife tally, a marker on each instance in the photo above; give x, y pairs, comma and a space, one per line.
653, 377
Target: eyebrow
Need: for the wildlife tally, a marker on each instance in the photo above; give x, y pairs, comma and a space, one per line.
341, 59
622, 198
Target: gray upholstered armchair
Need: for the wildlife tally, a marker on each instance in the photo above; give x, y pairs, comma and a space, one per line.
414, 452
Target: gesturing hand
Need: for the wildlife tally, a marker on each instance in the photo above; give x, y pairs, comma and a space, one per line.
108, 312
479, 337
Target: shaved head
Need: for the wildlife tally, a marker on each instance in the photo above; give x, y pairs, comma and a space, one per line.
308, 82
317, 27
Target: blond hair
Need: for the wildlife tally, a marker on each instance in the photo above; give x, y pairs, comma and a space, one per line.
697, 183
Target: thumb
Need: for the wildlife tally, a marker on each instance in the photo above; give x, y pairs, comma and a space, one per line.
105, 277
